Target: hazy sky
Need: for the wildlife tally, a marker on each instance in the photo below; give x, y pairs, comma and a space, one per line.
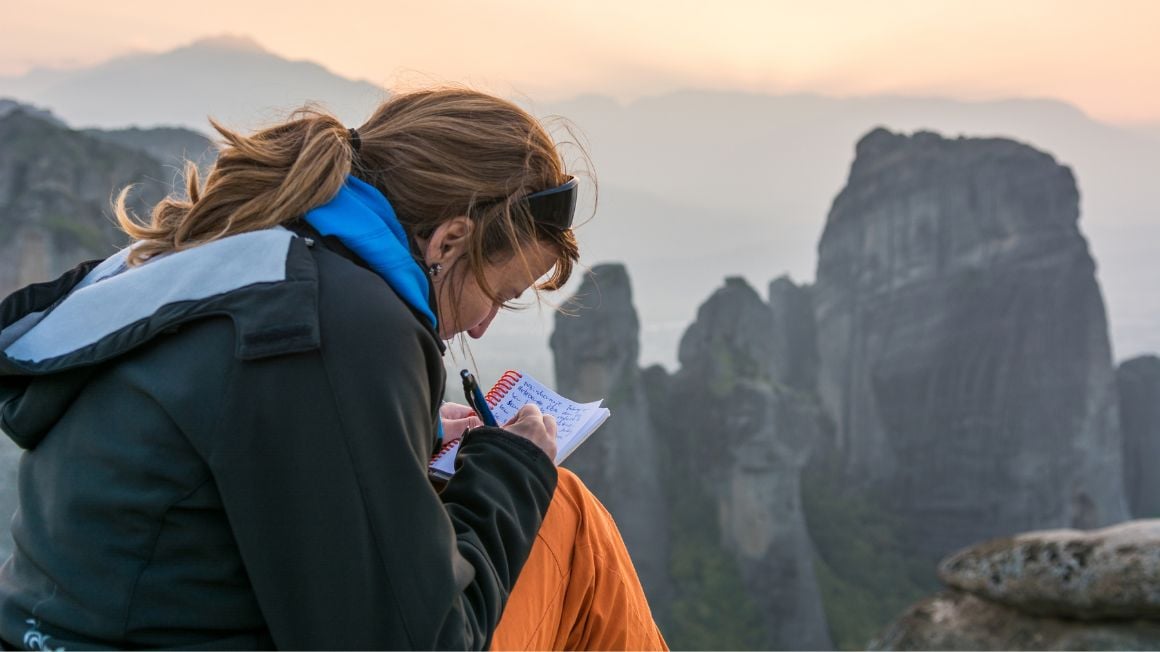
1101, 55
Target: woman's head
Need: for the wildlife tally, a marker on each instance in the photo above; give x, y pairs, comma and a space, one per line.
455, 164
466, 304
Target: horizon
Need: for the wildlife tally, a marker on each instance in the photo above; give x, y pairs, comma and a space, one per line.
1085, 54
786, 222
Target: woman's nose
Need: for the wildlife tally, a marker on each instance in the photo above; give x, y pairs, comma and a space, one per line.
479, 329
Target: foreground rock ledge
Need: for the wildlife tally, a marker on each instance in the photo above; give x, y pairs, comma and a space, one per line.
954, 620
1113, 573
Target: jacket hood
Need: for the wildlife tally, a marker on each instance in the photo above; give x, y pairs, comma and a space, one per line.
363, 219
53, 334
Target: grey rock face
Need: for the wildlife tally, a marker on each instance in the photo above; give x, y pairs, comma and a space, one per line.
1138, 381
955, 620
748, 438
9, 106
730, 338
597, 351
1108, 573
795, 352
171, 146
963, 341
55, 190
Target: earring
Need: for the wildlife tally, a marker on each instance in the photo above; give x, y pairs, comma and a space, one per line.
434, 268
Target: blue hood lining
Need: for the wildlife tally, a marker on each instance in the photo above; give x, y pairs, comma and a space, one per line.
364, 221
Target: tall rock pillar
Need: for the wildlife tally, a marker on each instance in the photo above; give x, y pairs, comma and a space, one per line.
1138, 380
744, 439
597, 355
963, 341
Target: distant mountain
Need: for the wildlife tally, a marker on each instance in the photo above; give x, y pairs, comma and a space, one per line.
710, 184
231, 79
757, 173
698, 186
752, 154
56, 186
172, 146
8, 106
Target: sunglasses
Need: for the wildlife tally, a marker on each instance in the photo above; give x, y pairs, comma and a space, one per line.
554, 207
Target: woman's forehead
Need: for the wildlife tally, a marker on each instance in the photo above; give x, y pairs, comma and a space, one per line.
533, 261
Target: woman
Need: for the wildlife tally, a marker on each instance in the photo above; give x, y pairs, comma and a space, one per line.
227, 424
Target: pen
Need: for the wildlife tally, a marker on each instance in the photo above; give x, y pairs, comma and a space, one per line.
475, 398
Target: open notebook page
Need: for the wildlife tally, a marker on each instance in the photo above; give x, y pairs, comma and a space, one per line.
574, 421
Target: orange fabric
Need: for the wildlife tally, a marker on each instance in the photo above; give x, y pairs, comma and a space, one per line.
578, 590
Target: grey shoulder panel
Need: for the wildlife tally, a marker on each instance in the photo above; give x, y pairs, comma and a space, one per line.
130, 304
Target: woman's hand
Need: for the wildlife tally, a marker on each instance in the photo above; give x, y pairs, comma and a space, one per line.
536, 427
529, 423
457, 419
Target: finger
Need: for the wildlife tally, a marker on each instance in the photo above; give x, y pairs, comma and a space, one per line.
528, 411
550, 425
454, 428
455, 411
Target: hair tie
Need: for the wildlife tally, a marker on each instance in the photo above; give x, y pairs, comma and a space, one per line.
355, 141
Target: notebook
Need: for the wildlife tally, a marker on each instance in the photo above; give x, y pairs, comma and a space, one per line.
575, 422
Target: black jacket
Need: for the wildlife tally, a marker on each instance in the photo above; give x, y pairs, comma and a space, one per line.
231, 453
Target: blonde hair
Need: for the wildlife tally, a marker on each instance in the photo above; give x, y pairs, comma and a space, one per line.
435, 154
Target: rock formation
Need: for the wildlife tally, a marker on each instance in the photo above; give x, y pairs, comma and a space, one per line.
743, 440
954, 620
720, 444
1139, 385
10, 106
171, 146
963, 343
795, 346
1062, 590
1108, 573
597, 353
56, 187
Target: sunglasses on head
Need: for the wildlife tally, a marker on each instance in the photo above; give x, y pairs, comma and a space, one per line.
554, 207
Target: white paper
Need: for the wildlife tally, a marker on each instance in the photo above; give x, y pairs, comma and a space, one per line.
575, 422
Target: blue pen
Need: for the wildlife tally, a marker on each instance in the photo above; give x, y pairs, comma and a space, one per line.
475, 398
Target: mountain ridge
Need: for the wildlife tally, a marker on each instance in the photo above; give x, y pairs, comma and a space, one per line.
232, 78
765, 164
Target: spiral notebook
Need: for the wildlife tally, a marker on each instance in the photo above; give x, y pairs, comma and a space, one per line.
575, 422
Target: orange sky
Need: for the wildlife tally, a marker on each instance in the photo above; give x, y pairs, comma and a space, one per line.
1100, 55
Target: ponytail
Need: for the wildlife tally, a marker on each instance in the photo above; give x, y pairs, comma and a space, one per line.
258, 181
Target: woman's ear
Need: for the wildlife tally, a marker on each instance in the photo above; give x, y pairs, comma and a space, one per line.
448, 242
